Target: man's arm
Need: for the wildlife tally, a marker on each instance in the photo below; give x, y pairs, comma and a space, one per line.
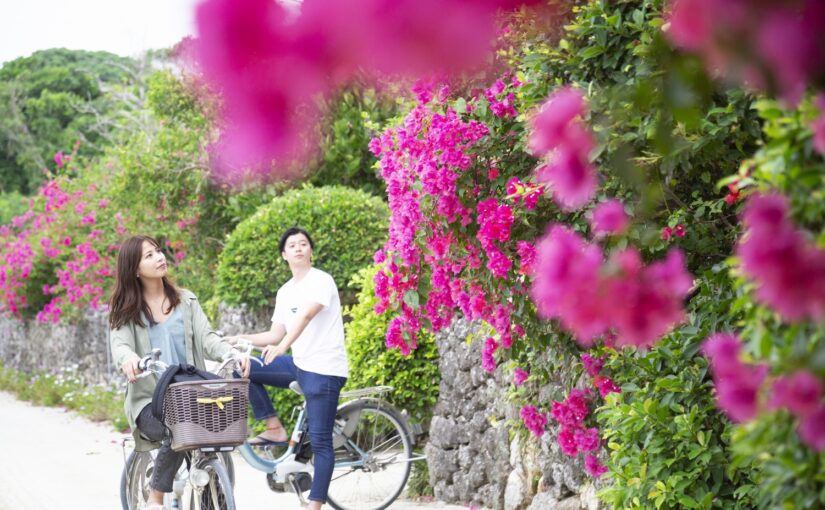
271, 351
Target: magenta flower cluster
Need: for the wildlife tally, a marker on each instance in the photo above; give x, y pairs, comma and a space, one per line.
559, 137
574, 436
534, 420
65, 231
772, 44
270, 63
591, 296
739, 387
788, 269
421, 163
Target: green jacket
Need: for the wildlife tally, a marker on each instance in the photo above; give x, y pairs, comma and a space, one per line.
130, 340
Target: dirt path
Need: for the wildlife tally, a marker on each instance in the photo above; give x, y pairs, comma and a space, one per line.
54, 459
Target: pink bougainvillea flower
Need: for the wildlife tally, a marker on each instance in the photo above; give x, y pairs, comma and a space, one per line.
488, 361
812, 428
605, 385
587, 440
609, 218
667, 233
557, 135
549, 127
272, 64
570, 177
519, 376
799, 392
789, 270
647, 301
737, 384
534, 420
723, 350
589, 297
769, 45
567, 441
592, 365
566, 285
59, 160
593, 467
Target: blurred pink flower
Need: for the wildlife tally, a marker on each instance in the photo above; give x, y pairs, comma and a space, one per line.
593, 467
789, 270
799, 392
609, 218
812, 428
592, 365
769, 45
519, 376
737, 384
549, 127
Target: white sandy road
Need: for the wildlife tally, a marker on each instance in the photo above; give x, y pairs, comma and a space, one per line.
51, 459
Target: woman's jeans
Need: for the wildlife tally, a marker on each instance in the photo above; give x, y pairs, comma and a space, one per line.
168, 461
321, 393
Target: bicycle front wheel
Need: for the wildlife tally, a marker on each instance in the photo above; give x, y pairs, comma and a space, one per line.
372, 457
217, 493
134, 482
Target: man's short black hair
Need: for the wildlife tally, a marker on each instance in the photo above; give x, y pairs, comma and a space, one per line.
291, 232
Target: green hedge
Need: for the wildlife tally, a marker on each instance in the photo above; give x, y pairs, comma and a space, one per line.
347, 226
415, 378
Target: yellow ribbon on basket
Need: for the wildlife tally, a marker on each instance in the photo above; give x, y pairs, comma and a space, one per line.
219, 401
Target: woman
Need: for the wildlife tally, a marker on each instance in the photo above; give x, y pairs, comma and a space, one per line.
307, 318
146, 311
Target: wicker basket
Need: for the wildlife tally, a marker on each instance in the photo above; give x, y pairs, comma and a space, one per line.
210, 413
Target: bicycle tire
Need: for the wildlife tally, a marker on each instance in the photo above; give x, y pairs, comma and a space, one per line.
375, 479
139, 474
134, 481
218, 493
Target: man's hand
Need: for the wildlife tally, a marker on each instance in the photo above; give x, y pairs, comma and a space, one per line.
270, 352
130, 368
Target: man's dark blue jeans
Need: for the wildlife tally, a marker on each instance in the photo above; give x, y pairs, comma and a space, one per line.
321, 393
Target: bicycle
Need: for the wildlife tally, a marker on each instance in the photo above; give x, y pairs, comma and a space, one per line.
373, 452
206, 480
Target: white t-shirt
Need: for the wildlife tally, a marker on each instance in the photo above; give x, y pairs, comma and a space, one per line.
320, 347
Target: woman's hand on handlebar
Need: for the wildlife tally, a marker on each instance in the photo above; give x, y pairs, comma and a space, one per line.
130, 368
243, 361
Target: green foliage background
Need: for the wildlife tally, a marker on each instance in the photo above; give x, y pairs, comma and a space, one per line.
415, 378
346, 225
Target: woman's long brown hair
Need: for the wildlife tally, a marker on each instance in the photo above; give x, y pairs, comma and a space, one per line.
127, 303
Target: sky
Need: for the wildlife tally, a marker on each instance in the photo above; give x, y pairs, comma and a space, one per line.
123, 27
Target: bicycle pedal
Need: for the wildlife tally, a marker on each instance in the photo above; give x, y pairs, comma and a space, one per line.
275, 485
301, 482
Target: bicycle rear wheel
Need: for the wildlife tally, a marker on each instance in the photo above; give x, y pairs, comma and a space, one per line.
372, 457
217, 493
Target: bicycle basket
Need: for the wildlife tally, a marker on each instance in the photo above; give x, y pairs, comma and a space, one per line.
209, 413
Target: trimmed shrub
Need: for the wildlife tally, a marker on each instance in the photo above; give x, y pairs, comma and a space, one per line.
347, 226
414, 377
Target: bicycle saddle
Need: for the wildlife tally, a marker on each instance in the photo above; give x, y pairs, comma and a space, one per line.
294, 386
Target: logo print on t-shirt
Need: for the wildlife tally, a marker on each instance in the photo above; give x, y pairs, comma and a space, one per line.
293, 310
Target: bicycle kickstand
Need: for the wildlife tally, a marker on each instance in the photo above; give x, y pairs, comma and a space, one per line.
297, 488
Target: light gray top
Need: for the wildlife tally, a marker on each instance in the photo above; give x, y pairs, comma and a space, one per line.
168, 336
